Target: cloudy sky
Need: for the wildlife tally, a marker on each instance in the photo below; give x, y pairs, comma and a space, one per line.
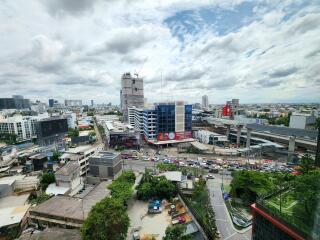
258, 51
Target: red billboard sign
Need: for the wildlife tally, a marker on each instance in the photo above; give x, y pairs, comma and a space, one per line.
226, 111
174, 136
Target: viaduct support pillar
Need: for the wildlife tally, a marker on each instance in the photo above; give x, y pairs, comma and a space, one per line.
238, 135
291, 147
248, 137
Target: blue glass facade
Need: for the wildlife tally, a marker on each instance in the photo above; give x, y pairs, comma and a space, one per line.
165, 117
188, 118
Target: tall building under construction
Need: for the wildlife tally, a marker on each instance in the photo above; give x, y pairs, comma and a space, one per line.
131, 93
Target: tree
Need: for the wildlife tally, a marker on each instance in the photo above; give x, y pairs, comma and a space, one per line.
46, 179
306, 163
176, 233
247, 185
121, 188
107, 220
56, 155
34, 199
159, 187
165, 189
145, 191
307, 190
73, 132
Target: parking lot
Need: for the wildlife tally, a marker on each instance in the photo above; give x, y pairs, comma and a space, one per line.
155, 224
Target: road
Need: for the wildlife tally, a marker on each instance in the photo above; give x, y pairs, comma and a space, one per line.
138, 165
223, 220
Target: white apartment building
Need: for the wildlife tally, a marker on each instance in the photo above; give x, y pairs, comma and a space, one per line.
150, 124
302, 121
136, 118
23, 126
80, 154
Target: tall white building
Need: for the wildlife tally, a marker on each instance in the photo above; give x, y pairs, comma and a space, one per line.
131, 93
136, 118
205, 102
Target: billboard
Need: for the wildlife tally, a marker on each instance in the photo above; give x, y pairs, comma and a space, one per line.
226, 111
53, 126
174, 136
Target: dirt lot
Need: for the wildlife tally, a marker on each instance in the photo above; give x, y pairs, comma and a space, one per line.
147, 223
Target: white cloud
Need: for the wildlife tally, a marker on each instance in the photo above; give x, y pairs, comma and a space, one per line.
80, 49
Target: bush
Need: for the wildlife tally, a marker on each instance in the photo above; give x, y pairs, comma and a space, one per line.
107, 220
46, 179
158, 187
121, 188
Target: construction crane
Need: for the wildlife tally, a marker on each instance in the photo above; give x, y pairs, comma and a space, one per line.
137, 73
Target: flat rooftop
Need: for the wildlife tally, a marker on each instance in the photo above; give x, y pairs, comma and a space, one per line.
12, 215
170, 141
72, 207
52, 234
106, 155
81, 149
13, 201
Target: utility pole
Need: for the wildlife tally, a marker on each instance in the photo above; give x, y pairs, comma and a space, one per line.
317, 160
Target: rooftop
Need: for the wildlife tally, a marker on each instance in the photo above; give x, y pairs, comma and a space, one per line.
12, 215
81, 149
52, 234
106, 155
69, 168
174, 176
71, 207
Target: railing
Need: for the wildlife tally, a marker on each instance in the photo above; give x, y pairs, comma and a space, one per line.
291, 221
210, 232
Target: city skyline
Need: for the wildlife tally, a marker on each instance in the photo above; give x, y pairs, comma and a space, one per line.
258, 52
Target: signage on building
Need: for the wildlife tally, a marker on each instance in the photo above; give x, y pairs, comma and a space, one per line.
174, 136
226, 111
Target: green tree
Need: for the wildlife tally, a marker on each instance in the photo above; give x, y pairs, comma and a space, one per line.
55, 156
151, 186
247, 185
46, 179
121, 188
73, 132
145, 191
167, 167
165, 188
307, 190
176, 233
306, 163
107, 220
34, 199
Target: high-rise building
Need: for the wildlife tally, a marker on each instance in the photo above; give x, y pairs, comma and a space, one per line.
51, 102
16, 102
166, 122
92, 103
131, 93
73, 103
205, 102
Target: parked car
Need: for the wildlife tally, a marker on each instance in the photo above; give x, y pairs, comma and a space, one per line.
136, 235
210, 176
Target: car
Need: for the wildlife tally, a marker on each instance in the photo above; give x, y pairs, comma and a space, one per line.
136, 235
210, 176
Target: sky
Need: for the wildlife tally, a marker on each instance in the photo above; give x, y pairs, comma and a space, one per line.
260, 51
